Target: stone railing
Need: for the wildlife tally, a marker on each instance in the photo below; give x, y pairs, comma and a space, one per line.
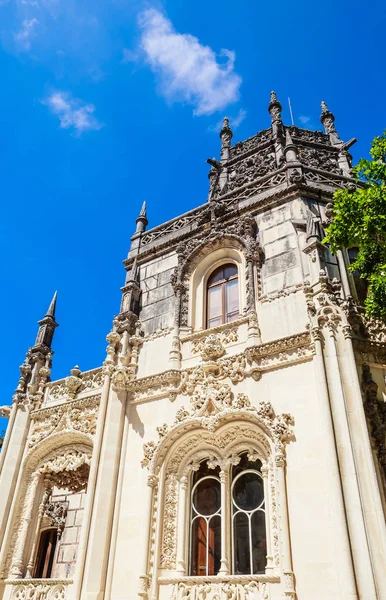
73, 385
228, 587
38, 589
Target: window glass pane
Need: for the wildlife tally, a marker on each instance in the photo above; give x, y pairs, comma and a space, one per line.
214, 302
259, 544
198, 556
230, 271
206, 497
214, 550
217, 275
232, 297
248, 492
241, 560
214, 322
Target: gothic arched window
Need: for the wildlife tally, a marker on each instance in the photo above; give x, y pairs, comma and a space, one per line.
249, 544
205, 550
222, 295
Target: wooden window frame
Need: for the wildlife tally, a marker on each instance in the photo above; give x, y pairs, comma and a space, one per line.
223, 284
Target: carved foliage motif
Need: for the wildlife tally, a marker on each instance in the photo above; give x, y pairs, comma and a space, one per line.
251, 143
252, 167
68, 470
78, 416
228, 336
53, 590
253, 590
57, 511
75, 384
319, 159
169, 534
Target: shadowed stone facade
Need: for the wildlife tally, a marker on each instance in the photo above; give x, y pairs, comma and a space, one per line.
290, 391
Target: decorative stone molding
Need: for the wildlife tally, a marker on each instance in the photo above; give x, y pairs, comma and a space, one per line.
79, 416
168, 547
228, 335
214, 407
74, 385
254, 361
39, 589
210, 588
376, 415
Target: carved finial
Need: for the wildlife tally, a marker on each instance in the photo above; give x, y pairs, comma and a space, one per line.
274, 108
52, 307
226, 137
141, 220
327, 119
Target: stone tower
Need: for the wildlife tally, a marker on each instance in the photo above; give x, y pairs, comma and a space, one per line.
232, 444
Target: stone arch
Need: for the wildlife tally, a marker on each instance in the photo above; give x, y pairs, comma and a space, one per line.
63, 457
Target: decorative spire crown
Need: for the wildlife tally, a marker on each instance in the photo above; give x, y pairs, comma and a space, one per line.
275, 108
52, 307
47, 326
226, 135
141, 220
327, 119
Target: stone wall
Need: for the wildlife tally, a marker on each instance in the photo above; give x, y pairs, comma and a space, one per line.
67, 547
157, 299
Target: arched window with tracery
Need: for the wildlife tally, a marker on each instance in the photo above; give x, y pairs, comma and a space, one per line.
205, 526
223, 295
249, 544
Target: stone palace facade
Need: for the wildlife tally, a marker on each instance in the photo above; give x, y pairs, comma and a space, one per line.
232, 444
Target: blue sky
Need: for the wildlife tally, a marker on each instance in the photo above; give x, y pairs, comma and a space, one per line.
107, 104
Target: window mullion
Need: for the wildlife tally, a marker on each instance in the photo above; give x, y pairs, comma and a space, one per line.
224, 568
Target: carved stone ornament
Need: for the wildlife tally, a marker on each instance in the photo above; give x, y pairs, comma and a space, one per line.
376, 415
57, 511
62, 389
195, 588
210, 406
77, 416
5, 411
68, 470
53, 589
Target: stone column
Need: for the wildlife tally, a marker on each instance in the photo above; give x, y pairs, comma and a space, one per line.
181, 534
343, 557
10, 472
17, 563
364, 461
99, 538
175, 352
351, 493
267, 502
152, 481
42, 506
288, 576
8, 434
224, 568
91, 484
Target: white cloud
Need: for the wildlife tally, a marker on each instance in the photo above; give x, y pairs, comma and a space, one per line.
304, 119
72, 113
23, 37
187, 70
129, 55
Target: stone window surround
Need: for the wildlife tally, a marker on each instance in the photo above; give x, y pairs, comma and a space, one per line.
174, 500
199, 278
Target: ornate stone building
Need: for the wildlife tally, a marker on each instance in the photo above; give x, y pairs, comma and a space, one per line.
232, 444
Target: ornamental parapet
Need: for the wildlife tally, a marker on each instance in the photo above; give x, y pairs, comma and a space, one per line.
224, 587
37, 589
77, 384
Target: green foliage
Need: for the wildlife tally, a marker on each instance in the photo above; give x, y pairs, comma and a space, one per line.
360, 221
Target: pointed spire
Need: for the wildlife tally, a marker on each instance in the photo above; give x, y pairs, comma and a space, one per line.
143, 210
52, 307
141, 220
274, 108
290, 150
226, 135
47, 326
328, 121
